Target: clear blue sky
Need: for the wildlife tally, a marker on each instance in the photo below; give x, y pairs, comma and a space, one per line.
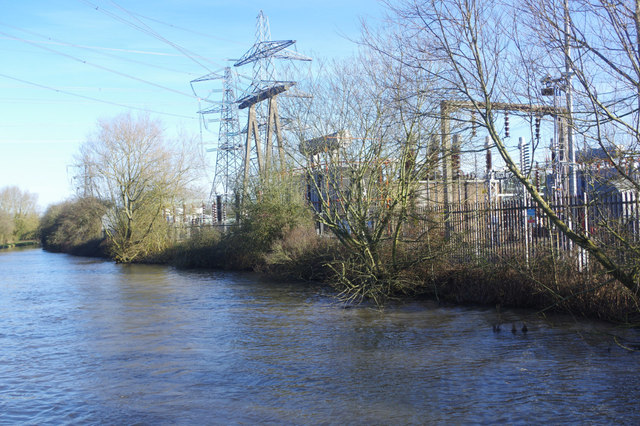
67, 63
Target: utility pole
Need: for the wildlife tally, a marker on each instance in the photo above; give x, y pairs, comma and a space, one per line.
447, 175
573, 189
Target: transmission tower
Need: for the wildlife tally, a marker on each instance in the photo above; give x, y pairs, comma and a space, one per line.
263, 121
229, 149
233, 154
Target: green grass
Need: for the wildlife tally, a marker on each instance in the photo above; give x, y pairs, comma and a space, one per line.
28, 243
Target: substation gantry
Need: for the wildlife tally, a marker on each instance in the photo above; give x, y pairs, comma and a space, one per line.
448, 107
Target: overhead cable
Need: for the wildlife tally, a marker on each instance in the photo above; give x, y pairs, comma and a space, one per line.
98, 66
148, 30
96, 49
42, 86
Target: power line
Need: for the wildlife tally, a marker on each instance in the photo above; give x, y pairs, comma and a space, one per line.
82, 46
42, 86
226, 40
57, 42
149, 31
57, 52
36, 141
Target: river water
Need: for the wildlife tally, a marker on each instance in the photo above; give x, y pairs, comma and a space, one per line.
88, 341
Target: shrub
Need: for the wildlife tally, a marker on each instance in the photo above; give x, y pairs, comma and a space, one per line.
74, 227
199, 251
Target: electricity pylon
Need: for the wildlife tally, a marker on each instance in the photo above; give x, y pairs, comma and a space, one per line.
263, 123
229, 149
237, 159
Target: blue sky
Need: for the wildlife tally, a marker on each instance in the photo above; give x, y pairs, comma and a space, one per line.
67, 63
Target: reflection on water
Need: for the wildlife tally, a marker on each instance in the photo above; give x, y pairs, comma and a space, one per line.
85, 340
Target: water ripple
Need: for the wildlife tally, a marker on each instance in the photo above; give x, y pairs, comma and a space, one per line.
87, 341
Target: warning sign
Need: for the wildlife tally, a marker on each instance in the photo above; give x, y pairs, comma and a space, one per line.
531, 215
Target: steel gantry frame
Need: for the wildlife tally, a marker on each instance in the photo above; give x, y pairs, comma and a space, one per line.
447, 107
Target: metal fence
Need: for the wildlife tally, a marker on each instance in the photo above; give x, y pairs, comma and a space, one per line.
504, 228
519, 228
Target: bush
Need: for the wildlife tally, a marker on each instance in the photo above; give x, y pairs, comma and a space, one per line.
301, 254
199, 251
74, 227
275, 229
275, 210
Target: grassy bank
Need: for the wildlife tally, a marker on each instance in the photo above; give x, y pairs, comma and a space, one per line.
30, 243
279, 240
542, 285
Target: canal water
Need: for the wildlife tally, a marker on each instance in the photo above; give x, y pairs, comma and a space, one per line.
88, 341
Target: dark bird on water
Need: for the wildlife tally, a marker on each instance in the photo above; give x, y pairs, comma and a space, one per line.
513, 328
524, 328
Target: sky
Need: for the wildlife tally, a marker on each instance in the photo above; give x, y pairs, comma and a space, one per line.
65, 64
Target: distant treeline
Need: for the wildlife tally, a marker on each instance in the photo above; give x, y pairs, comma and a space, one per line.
18, 216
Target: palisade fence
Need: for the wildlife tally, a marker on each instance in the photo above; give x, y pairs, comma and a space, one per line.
481, 231
518, 228
188, 219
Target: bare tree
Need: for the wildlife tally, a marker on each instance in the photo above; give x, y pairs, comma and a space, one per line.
600, 42
130, 164
364, 148
487, 58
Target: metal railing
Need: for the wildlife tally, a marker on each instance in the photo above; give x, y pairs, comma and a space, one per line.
520, 228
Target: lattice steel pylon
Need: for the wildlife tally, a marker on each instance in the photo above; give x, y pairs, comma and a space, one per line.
263, 122
233, 154
229, 149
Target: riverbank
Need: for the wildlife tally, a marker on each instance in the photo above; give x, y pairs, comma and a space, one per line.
541, 285
30, 243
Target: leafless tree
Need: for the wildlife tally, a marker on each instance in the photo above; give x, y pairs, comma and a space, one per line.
130, 164
491, 53
363, 145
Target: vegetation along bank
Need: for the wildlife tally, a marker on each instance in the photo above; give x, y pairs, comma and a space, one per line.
399, 176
